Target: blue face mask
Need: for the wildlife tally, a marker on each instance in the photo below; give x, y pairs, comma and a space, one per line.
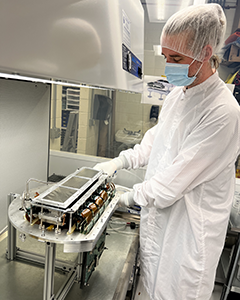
177, 74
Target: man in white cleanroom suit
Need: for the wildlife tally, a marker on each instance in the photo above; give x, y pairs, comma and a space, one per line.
188, 190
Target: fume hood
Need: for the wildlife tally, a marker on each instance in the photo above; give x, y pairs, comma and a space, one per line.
96, 42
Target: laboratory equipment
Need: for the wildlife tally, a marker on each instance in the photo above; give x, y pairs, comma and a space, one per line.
128, 137
73, 212
162, 87
76, 202
96, 42
68, 210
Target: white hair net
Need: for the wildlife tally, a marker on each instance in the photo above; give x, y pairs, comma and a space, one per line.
189, 30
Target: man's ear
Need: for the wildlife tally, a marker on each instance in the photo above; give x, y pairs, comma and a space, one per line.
207, 53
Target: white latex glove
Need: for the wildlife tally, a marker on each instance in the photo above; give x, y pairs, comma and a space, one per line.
110, 167
126, 199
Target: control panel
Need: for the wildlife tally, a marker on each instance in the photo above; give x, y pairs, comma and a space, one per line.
131, 63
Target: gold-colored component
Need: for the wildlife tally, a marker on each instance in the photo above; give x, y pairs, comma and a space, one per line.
93, 208
35, 220
64, 219
50, 228
104, 195
26, 217
72, 229
87, 215
99, 201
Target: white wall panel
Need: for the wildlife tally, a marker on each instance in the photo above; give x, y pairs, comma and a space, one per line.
24, 128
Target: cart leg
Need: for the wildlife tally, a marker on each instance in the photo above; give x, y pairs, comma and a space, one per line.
12, 249
231, 271
79, 267
48, 290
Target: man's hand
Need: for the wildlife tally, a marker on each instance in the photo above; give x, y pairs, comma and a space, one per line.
107, 167
126, 199
110, 167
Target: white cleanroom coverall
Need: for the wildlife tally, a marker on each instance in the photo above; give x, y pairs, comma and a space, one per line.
188, 189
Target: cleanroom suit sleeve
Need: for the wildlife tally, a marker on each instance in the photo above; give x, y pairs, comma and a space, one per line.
139, 155
205, 152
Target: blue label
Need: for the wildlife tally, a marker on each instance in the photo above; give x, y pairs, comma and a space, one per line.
131, 63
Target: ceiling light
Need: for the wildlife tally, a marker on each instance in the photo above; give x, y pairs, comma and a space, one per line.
159, 11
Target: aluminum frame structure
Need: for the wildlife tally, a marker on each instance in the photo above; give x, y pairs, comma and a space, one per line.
77, 242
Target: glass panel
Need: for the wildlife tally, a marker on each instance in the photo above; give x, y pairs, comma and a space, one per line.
87, 173
97, 122
87, 123
60, 194
76, 182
